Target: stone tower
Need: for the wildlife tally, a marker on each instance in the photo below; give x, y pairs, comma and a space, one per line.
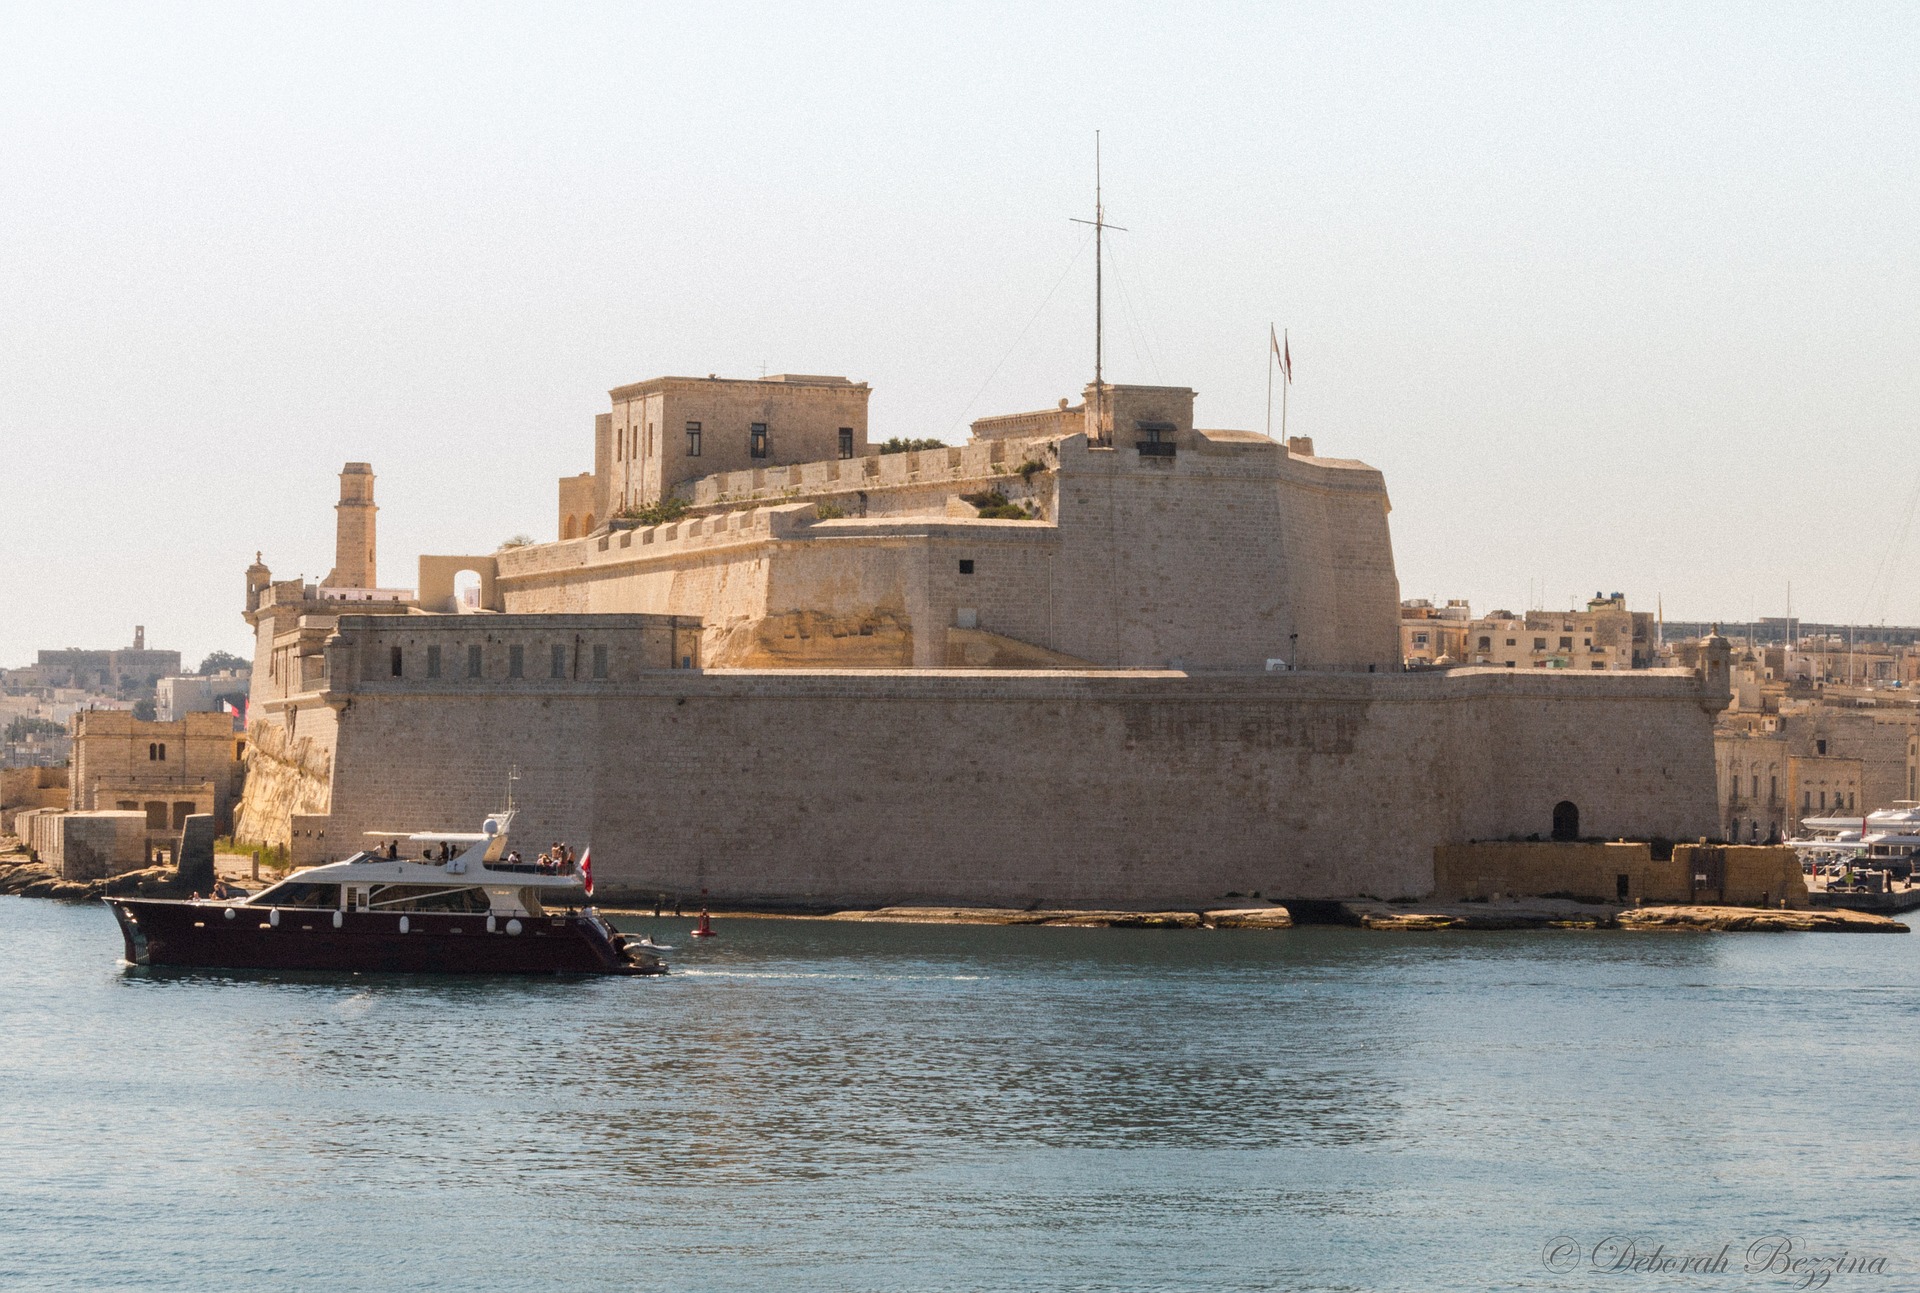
354, 563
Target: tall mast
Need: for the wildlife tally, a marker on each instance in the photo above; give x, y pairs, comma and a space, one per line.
1099, 268
1100, 227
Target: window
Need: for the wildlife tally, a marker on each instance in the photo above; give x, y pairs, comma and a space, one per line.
1539, 644
1806, 803
693, 439
1773, 789
846, 442
1566, 644
1756, 785
1486, 644
1419, 639
1510, 641
394, 659
600, 661
757, 440
966, 565
433, 662
1820, 747
1509, 664
473, 662
559, 661
157, 752
516, 662
1599, 664
1823, 799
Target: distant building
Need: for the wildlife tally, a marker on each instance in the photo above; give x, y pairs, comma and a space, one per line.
169, 771
1434, 635
125, 673
200, 694
1606, 635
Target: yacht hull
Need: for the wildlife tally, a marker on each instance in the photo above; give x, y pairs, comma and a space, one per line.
218, 935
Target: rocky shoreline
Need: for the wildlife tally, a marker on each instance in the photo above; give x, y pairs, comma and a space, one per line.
27, 879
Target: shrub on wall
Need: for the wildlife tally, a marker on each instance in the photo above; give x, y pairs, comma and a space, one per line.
670, 508
899, 444
994, 506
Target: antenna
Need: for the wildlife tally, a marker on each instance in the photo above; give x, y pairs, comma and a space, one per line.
1100, 226
513, 775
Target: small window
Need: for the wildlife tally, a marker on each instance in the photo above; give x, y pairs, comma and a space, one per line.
1511, 641
1820, 747
559, 661
395, 660
1566, 644
473, 662
1539, 644
516, 662
600, 661
757, 440
1486, 644
1420, 639
966, 565
846, 442
693, 439
433, 662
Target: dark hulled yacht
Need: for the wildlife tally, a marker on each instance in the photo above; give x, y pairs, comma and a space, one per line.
473, 913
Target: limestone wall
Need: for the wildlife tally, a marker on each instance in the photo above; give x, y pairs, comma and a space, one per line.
1624, 872
1227, 555
1124, 788
89, 846
289, 771
25, 789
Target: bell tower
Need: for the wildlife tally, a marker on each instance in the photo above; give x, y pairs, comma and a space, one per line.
354, 564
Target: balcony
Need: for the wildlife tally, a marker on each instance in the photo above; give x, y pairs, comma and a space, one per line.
1155, 448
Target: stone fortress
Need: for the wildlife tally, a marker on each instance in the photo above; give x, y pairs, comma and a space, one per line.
1096, 656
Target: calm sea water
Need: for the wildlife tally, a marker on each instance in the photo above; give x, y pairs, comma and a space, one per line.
809, 1105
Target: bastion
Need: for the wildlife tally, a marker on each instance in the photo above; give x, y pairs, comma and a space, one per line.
1096, 657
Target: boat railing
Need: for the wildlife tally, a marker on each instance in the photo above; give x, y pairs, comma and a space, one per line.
531, 868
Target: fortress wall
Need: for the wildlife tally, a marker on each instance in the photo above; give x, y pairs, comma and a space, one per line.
1153, 557
1124, 788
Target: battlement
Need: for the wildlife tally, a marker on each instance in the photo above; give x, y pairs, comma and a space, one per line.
957, 465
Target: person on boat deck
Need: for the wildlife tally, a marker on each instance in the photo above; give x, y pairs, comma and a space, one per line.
393, 850
513, 858
220, 891
566, 859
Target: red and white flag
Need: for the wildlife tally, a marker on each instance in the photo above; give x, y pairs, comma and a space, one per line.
1283, 353
586, 871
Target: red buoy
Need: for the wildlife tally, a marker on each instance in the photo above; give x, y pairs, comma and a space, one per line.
705, 928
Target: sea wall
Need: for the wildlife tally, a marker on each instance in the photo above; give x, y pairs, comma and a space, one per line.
1063, 788
1618, 871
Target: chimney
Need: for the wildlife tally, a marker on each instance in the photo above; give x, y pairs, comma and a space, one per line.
139, 637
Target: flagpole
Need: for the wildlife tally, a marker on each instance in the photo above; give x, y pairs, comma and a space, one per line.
1283, 397
1269, 381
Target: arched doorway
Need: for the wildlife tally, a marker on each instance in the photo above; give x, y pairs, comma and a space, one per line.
1566, 820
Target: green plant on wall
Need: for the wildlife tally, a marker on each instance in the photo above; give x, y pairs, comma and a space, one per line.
670, 508
994, 506
899, 444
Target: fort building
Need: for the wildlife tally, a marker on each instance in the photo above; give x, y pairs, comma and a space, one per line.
1085, 658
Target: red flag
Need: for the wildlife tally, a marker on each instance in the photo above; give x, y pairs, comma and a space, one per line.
586, 871
1282, 354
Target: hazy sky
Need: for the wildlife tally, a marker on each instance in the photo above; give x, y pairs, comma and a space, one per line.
1618, 296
